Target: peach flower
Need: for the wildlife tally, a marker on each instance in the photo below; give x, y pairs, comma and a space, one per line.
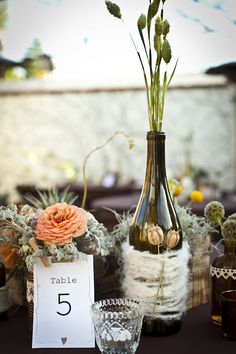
60, 223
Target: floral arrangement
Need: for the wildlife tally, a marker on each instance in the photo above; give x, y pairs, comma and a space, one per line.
156, 51
52, 226
61, 231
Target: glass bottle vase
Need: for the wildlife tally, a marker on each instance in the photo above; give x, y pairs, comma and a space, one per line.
155, 226
223, 277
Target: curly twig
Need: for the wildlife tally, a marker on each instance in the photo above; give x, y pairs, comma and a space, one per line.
99, 147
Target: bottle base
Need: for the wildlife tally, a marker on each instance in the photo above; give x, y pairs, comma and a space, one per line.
160, 328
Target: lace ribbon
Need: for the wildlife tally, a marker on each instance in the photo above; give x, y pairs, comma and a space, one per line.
223, 272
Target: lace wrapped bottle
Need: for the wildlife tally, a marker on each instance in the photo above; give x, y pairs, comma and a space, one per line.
155, 260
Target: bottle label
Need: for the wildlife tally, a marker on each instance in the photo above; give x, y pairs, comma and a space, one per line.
223, 272
4, 299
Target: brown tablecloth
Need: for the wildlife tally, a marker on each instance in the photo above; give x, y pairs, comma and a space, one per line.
197, 336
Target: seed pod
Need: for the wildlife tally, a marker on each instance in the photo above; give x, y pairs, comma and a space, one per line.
153, 9
166, 51
113, 9
172, 238
155, 235
142, 22
158, 26
157, 44
165, 27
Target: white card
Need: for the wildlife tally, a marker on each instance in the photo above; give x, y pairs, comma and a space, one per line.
63, 294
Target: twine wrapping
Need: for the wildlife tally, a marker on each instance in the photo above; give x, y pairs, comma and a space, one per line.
159, 281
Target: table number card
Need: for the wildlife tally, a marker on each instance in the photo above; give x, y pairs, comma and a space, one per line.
63, 294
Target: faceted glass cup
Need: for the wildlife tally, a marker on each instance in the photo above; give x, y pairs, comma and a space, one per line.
228, 314
117, 324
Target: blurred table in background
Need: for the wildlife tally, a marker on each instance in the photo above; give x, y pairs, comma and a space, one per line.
124, 203
94, 192
120, 199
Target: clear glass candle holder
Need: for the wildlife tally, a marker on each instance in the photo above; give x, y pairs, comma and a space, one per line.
117, 324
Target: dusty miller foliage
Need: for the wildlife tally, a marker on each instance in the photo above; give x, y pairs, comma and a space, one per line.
195, 229
17, 227
120, 231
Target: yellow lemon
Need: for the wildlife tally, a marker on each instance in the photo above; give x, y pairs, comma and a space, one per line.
196, 197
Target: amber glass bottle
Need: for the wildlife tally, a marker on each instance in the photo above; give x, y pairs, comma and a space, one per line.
3, 292
223, 277
155, 207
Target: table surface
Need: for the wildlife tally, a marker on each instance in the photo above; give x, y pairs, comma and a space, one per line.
197, 336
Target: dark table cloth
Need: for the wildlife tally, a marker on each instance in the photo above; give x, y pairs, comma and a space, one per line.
197, 336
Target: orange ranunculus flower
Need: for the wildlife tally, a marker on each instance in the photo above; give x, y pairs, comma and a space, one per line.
60, 223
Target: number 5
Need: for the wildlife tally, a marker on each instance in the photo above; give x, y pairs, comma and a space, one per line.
64, 302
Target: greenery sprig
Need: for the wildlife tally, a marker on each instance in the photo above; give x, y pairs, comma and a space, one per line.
157, 52
131, 144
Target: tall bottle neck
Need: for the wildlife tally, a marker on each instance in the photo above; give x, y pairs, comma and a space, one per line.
156, 167
230, 247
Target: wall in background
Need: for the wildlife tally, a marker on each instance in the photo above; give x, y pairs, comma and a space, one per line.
47, 130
